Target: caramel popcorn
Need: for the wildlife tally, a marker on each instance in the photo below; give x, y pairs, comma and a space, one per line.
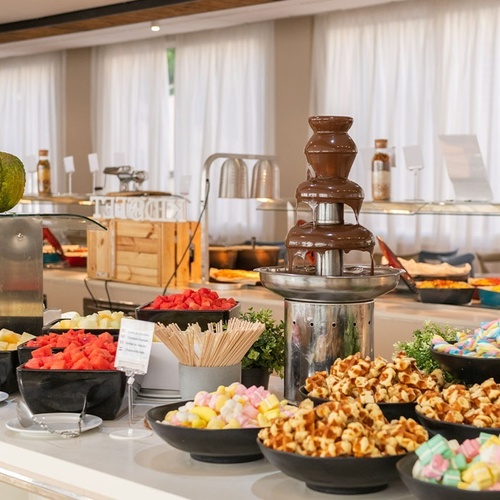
373, 381
343, 428
479, 405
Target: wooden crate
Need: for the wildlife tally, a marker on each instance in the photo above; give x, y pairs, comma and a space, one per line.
145, 252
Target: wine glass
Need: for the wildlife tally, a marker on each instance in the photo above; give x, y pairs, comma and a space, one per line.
414, 163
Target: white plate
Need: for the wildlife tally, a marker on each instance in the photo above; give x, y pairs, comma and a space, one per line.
58, 421
3, 396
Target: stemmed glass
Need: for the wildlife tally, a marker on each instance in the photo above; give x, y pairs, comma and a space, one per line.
414, 163
131, 432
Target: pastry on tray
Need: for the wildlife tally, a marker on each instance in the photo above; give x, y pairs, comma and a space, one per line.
234, 275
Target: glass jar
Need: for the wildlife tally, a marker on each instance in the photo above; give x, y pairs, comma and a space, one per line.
43, 173
381, 172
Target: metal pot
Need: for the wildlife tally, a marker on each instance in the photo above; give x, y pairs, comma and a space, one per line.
250, 257
222, 257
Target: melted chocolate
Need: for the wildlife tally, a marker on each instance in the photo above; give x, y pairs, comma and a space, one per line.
330, 152
328, 190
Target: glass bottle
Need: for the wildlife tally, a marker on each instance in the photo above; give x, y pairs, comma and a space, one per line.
381, 172
43, 173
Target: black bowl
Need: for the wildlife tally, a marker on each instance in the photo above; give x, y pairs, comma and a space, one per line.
449, 430
338, 475
222, 446
456, 296
9, 361
55, 391
391, 411
467, 369
431, 491
183, 318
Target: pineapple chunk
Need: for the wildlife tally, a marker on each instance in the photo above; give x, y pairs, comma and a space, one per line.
104, 323
25, 336
9, 336
3, 345
106, 314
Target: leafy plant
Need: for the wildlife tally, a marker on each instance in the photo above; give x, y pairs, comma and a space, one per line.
268, 351
419, 347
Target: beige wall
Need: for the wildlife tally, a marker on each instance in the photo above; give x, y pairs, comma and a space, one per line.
292, 57
78, 142
292, 77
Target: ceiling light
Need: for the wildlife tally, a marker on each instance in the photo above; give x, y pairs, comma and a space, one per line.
155, 27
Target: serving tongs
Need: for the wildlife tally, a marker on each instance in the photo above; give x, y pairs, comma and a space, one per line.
395, 262
27, 418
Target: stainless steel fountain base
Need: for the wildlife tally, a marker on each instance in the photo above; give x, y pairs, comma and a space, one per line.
319, 333
326, 317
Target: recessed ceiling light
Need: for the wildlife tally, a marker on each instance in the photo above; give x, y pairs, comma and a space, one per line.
155, 27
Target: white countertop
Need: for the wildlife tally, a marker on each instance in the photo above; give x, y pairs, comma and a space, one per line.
97, 466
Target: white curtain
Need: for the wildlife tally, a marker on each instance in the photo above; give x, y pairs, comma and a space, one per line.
131, 110
409, 72
31, 107
224, 104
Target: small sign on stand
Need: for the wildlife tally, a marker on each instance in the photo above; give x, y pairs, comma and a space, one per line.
94, 170
132, 357
30, 166
69, 168
414, 163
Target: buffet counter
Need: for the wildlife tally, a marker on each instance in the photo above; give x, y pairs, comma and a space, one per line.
98, 467
397, 314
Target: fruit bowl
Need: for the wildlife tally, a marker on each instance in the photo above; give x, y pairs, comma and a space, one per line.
183, 318
56, 342
206, 445
451, 430
468, 369
9, 361
390, 410
337, 475
431, 491
54, 391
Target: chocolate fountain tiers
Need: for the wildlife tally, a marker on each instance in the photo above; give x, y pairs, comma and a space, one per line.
328, 306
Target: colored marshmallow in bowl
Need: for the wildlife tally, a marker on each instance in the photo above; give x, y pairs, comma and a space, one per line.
473, 465
482, 342
230, 407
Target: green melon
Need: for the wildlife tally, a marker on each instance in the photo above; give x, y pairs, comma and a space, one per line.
12, 181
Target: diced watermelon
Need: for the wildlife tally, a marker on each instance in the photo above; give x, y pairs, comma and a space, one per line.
34, 363
82, 364
100, 363
41, 352
106, 337
57, 364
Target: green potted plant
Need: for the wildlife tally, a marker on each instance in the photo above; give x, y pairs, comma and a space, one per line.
267, 354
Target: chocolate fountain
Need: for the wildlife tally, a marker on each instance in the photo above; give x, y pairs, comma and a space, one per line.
328, 306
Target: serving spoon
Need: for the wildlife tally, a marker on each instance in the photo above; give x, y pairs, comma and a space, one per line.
27, 419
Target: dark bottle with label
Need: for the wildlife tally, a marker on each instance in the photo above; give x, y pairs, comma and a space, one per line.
43, 173
381, 172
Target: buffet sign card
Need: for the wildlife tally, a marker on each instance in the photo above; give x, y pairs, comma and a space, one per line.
466, 168
134, 345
